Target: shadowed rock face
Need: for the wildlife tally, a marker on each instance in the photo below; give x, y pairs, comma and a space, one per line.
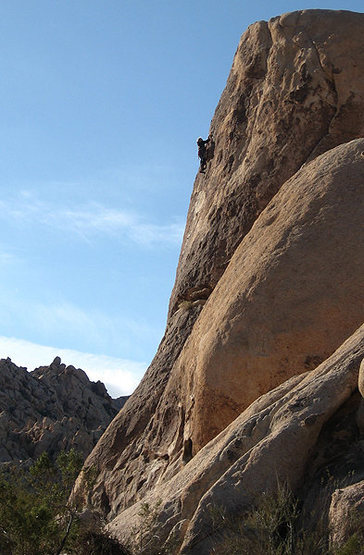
268, 267
53, 408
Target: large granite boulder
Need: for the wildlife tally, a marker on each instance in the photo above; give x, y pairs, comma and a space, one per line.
283, 305
268, 281
274, 441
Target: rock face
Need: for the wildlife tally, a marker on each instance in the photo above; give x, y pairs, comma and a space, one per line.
285, 301
360, 415
295, 90
281, 437
268, 285
346, 512
51, 409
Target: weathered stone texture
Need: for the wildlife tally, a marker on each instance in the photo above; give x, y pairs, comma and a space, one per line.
268, 281
346, 512
295, 90
53, 408
283, 305
271, 442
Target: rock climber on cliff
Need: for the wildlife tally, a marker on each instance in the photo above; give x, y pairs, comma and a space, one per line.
202, 152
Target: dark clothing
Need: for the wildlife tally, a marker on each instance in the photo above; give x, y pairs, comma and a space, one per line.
202, 153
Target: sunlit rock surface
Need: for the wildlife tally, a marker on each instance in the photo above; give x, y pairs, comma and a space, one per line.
268, 286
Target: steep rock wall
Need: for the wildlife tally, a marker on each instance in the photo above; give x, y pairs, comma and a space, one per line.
290, 295
276, 439
295, 90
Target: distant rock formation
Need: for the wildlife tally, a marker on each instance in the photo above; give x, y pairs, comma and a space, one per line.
53, 408
268, 286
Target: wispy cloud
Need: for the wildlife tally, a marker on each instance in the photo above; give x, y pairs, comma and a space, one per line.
87, 329
90, 220
7, 258
121, 376
98, 219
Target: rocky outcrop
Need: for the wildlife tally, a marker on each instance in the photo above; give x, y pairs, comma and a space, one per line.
295, 90
281, 437
283, 305
346, 512
268, 283
51, 409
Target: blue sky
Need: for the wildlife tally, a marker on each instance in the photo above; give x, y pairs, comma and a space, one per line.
101, 104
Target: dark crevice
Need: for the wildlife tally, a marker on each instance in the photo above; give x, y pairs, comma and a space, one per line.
187, 450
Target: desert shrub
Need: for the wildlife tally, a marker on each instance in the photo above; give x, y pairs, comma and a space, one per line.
93, 542
30, 500
353, 546
273, 527
36, 517
269, 528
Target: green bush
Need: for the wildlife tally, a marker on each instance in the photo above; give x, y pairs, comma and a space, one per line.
36, 517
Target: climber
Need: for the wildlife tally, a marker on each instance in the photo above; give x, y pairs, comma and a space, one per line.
202, 152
